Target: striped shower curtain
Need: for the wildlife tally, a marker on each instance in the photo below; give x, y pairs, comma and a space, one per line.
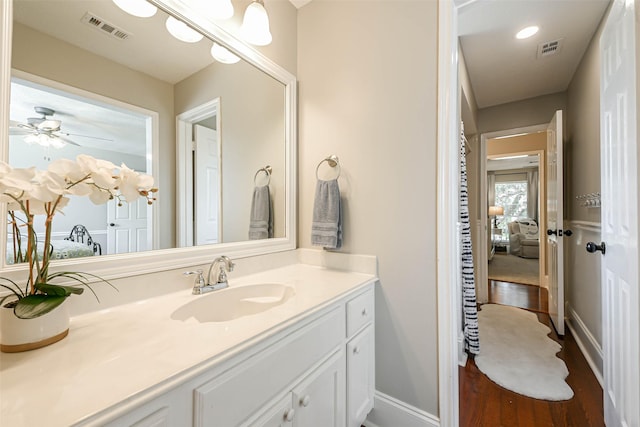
470, 309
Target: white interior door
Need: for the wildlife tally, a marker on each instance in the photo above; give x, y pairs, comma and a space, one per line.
619, 187
554, 232
207, 186
127, 229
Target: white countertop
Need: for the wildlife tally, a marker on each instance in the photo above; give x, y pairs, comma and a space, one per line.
118, 353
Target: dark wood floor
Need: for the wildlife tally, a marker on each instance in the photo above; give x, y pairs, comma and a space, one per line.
485, 404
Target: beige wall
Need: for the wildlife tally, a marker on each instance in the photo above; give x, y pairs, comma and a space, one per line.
36, 53
583, 290
518, 114
252, 136
368, 95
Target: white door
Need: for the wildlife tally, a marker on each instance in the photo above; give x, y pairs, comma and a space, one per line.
619, 186
127, 228
554, 232
207, 186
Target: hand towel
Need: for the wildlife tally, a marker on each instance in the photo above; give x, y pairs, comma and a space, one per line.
261, 222
326, 229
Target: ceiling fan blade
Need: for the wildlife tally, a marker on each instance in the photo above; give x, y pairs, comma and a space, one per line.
68, 141
86, 136
19, 131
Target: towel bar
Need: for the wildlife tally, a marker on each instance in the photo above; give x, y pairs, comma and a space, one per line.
267, 170
333, 161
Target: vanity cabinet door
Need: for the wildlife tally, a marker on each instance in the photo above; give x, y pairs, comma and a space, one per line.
360, 377
318, 399
279, 415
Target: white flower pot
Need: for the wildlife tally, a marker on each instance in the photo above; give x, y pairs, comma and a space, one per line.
18, 335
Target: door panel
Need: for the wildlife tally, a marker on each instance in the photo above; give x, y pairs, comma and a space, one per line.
555, 214
619, 184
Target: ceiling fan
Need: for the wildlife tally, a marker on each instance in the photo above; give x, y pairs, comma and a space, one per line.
44, 130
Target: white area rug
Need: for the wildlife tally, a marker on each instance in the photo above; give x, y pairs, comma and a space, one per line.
516, 353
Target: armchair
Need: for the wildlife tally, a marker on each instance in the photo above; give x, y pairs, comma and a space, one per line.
524, 240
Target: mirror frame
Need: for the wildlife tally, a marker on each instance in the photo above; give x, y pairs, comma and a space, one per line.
132, 264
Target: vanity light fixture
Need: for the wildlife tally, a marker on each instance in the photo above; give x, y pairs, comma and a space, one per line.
182, 31
222, 54
527, 32
255, 25
139, 8
218, 9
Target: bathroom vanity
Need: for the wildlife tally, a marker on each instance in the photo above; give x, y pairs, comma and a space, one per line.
305, 360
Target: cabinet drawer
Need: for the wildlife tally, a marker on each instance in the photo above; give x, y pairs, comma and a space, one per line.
360, 311
229, 399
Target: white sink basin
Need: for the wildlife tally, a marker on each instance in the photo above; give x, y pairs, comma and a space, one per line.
234, 302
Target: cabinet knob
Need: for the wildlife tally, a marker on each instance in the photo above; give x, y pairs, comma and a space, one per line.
356, 350
305, 401
364, 311
288, 415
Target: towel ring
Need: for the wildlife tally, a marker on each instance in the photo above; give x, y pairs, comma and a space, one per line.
333, 161
267, 170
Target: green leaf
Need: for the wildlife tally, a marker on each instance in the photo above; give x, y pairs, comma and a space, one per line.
58, 290
33, 306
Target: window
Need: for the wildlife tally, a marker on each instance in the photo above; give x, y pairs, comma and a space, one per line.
512, 196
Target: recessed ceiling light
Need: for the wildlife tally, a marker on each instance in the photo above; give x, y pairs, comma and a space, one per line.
525, 33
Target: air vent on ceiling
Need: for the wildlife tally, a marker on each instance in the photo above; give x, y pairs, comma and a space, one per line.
549, 48
104, 27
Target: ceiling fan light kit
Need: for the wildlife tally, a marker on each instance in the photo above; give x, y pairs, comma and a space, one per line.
43, 130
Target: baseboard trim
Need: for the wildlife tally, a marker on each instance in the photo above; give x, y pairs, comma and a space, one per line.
390, 412
591, 348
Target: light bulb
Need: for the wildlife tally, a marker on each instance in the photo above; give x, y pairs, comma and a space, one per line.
222, 54
182, 31
139, 8
255, 25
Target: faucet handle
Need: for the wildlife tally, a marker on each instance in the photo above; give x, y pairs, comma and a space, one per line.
200, 279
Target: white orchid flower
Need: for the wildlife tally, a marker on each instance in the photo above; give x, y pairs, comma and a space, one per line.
100, 197
129, 183
68, 169
47, 187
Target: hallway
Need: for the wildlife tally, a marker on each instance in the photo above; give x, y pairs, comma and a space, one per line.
484, 403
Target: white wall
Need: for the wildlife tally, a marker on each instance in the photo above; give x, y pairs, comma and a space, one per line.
367, 79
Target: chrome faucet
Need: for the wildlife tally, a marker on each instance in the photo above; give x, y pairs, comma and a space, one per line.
201, 287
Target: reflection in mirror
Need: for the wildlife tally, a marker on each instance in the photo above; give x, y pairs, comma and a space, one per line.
123, 89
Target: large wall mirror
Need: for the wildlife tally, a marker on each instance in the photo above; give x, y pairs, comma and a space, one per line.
212, 132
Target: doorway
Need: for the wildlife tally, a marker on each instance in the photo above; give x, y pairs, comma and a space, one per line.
515, 192
509, 145
199, 175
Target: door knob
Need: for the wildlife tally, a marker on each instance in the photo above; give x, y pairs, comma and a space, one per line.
305, 400
550, 232
112, 224
593, 247
289, 414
